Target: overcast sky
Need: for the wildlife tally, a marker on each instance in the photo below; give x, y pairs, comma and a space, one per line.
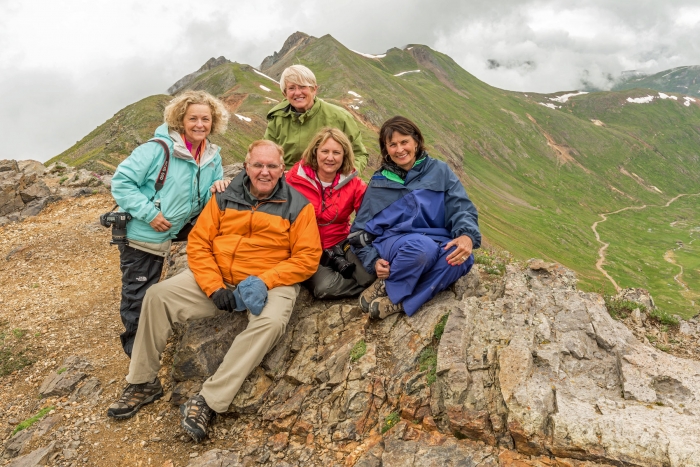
66, 67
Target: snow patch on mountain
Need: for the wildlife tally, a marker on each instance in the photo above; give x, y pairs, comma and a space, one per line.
565, 97
368, 55
666, 96
263, 74
688, 100
550, 105
264, 88
640, 100
353, 93
241, 117
404, 72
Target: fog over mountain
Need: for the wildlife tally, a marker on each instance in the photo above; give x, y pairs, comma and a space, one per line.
65, 68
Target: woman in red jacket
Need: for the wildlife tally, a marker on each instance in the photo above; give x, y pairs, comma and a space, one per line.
326, 176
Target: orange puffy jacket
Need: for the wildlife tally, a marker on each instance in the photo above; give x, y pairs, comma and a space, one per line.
236, 236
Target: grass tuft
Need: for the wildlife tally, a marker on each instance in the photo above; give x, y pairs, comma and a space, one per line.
358, 350
31, 421
390, 420
428, 362
440, 327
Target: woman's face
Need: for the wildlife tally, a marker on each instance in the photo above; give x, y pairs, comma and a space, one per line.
197, 123
402, 150
329, 156
301, 97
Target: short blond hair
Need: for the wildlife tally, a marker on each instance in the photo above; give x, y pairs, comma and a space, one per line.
297, 74
175, 111
310, 153
265, 142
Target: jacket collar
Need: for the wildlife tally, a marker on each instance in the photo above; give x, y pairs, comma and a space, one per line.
285, 109
306, 173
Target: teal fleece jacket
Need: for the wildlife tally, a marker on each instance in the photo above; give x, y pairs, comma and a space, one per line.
184, 194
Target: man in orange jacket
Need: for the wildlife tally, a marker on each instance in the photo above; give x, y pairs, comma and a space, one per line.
250, 248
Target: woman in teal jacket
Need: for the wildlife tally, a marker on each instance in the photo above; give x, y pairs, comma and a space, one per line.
160, 217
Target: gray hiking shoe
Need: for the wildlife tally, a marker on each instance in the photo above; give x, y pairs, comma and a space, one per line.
382, 307
196, 417
371, 293
134, 397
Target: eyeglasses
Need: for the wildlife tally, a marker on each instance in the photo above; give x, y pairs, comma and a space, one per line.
294, 88
270, 167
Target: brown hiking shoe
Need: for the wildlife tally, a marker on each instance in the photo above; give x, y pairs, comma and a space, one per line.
196, 417
382, 307
134, 397
371, 293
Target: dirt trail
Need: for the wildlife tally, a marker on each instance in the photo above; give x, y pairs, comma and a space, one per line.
601, 251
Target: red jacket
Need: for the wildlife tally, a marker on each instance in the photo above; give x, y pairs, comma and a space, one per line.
339, 200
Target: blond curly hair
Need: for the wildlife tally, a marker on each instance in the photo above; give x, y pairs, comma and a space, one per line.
175, 111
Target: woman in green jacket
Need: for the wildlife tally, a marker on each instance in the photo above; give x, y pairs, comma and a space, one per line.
293, 122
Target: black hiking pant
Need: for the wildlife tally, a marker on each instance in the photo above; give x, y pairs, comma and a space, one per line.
140, 270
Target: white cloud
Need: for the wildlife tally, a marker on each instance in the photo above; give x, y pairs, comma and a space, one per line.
65, 67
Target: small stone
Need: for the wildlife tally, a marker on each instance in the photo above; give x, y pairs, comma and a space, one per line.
194, 454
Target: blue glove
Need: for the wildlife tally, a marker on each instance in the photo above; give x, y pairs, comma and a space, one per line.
252, 294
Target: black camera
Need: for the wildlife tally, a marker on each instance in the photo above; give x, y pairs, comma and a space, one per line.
118, 221
334, 258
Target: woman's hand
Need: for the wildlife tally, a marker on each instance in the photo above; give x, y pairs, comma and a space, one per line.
219, 186
382, 268
461, 254
160, 223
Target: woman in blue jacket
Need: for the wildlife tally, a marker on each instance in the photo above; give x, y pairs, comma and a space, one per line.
161, 216
416, 227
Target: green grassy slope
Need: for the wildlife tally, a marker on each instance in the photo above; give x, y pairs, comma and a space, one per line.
539, 176
684, 79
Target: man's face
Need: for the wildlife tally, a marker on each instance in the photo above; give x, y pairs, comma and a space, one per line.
264, 170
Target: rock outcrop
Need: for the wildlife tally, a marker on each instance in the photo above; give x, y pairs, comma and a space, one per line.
528, 371
26, 187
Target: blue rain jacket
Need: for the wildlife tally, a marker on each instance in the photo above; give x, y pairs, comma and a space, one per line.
432, 202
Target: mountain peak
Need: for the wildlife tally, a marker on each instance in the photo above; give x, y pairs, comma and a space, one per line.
186, 80
293, 42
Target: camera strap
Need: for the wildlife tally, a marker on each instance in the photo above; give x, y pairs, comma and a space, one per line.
160, 180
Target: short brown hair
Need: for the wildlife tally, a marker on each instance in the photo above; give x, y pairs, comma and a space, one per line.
175, 111
324, 134
405, 127
265, 142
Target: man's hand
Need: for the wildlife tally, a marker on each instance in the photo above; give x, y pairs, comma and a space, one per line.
382, 267
461, 253
160, 223
219, 186
224, 299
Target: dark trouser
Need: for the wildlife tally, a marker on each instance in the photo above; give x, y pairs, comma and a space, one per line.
328, 284
140, 270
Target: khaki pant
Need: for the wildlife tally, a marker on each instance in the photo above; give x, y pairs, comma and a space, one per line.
180, 299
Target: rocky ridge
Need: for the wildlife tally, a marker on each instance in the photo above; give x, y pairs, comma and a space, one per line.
512, 370
27, 186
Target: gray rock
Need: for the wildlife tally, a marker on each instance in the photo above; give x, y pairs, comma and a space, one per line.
14, 445
30, 167
64, 380
36, 190
216, 458
36, 458
8, 165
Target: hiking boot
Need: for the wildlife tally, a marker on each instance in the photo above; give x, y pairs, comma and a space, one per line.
196, 417
371, 293
134, 397
382, 307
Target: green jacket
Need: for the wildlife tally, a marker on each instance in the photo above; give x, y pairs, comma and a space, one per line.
294, 131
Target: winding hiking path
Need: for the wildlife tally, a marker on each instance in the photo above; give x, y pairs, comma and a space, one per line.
604, 217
